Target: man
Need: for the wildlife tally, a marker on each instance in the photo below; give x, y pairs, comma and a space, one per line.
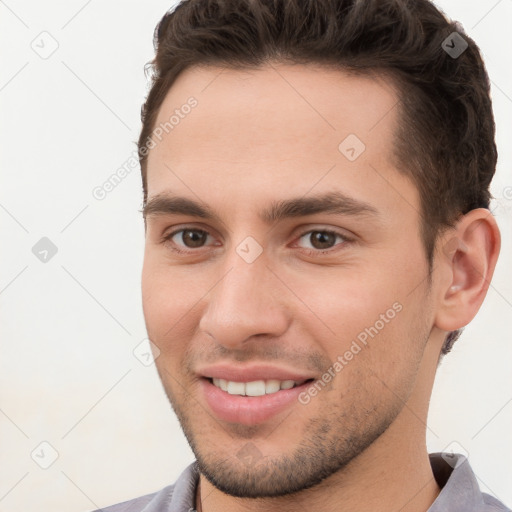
316, 190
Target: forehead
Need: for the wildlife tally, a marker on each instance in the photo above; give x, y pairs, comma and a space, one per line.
303, 104
280, 124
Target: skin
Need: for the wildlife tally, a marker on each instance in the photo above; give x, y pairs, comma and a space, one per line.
273, 134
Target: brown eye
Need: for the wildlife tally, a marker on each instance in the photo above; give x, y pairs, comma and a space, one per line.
193, 237
322, 239
186, 238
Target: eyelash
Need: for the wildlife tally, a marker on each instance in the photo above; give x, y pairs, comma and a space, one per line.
309, 252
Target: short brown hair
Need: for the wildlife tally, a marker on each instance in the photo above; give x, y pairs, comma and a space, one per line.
445, 140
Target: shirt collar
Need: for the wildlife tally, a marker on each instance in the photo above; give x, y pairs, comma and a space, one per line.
460, 491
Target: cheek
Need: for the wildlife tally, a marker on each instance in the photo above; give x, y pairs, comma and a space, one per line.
168, 299
343, 302
369, 316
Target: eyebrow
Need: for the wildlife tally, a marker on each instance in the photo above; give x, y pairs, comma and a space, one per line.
332, 202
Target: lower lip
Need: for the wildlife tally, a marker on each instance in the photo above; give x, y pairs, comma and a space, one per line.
248, 410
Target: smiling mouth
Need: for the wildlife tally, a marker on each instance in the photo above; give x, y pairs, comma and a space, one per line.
257, 387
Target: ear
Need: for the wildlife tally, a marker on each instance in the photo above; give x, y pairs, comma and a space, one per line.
467, 257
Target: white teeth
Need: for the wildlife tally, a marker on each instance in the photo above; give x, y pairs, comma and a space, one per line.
272, 386
236, 388
287, 384
254, 388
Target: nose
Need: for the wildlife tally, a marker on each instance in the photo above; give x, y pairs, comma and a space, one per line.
247, 302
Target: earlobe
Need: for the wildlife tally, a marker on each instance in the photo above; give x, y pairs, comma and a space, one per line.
466, 262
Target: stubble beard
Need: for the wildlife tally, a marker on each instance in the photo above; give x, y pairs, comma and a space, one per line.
326, 447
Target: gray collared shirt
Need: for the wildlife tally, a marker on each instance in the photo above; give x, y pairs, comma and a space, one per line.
459, 491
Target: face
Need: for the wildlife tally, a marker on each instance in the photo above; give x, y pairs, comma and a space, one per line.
282, 249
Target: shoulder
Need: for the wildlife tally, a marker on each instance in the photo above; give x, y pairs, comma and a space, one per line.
138, 504
491, 504
177, 497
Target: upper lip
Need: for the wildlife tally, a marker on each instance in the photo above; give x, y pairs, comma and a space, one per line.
253, 372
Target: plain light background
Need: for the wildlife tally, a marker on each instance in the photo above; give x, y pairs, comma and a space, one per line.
69, 326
